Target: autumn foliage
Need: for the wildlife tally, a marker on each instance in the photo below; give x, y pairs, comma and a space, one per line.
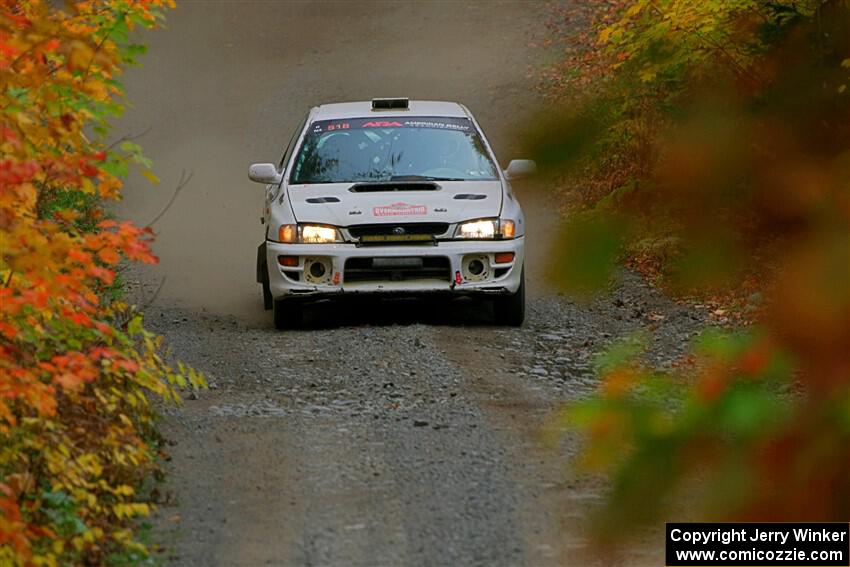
76, 367
710, 148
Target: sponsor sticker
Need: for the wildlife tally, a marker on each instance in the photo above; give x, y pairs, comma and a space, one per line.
399, 210
382, 124
396, 238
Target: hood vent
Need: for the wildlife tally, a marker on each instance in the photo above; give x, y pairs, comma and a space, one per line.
470, 197
322, 200
391, 186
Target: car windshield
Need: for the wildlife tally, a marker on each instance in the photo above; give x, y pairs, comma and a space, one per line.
390, 149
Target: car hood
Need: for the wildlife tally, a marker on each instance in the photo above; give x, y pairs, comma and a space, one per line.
346, 204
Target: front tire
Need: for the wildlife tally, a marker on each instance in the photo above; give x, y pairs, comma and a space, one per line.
268, 300
287, 313
510, 309
263, 276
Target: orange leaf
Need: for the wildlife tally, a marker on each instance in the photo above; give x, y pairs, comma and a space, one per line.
109, 255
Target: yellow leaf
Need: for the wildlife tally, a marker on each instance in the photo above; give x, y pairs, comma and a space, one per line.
151, 177
635, 9
86, 186
646, 75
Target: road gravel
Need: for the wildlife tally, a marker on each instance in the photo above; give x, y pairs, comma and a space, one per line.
394, 433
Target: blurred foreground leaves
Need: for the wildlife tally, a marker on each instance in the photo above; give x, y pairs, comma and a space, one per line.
708, 145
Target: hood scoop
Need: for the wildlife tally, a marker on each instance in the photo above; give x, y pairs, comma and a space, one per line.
317, 200
392, 186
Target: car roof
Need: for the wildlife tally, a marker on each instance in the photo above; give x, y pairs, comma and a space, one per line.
363, 109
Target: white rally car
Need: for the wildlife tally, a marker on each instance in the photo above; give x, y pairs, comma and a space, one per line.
390, 197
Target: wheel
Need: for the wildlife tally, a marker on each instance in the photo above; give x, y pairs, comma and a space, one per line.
287, 313
268, 300
510, 309
263, 276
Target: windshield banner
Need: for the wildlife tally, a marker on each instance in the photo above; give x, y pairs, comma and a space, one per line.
435, 123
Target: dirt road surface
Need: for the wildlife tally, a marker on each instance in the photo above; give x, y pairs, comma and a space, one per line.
386, 433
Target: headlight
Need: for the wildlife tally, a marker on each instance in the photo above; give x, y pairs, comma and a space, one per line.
477, 229
308, 234
486, 228
315, 234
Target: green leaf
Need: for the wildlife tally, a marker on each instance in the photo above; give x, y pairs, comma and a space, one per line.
134, 327
587, 256
115, 167
748, 410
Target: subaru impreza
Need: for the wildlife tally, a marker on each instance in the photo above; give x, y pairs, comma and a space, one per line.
390, 196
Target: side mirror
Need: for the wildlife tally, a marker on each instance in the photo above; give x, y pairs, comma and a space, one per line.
520, 168
264, 173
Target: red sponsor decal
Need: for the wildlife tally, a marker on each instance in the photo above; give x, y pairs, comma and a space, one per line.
382, 125
458, 278
400, 210
336, 278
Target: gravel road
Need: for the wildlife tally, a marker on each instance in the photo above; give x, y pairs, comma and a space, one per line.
385, 433
401, 434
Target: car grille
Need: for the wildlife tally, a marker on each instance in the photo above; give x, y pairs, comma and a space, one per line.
397, 269
389, 229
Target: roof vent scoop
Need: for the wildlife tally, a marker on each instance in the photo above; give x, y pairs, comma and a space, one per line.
390, 103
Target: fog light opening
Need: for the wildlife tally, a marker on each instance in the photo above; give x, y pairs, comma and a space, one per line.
317, 270
476, 268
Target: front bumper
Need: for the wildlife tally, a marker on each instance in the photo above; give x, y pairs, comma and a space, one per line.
447, 268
